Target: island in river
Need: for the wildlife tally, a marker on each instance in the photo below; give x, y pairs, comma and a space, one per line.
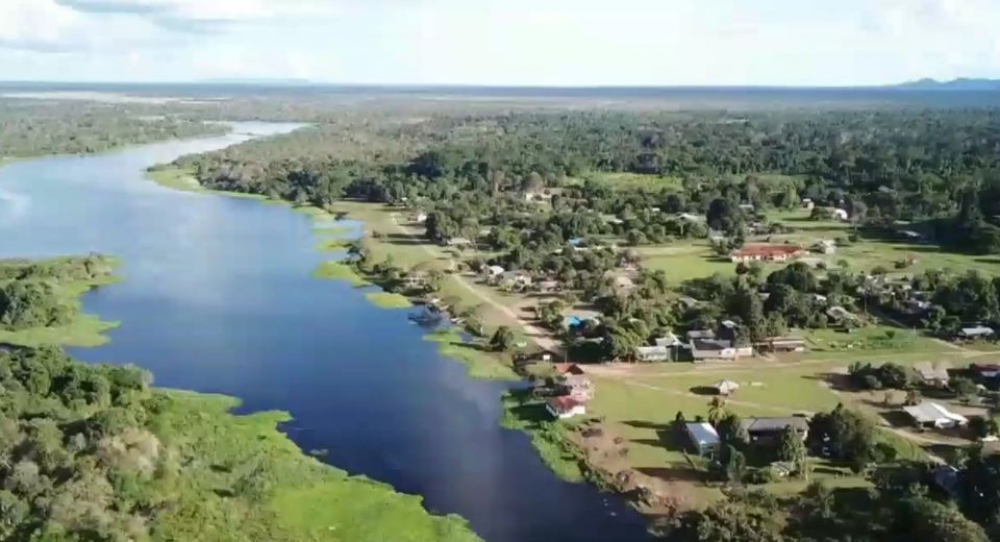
218, 297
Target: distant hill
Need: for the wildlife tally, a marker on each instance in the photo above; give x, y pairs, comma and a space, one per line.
262, 81
962, 83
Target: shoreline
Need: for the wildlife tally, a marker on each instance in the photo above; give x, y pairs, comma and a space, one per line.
557, 443
334, 498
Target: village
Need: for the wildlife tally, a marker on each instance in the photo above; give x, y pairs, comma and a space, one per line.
646, 413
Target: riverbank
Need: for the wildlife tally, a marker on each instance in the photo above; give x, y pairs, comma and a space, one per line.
67, 288
302, 499
384, 238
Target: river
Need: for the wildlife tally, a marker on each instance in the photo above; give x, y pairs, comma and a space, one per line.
218, 297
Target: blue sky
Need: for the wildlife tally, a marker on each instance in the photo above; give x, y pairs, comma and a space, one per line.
502, 42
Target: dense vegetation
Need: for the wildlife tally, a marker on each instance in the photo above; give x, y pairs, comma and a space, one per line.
39, 128
32, 294
92, 453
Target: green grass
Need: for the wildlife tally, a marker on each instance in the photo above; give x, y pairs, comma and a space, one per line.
333, 245
478, 362
686, 260
636, 180
388, 300
84, 330
875, 339
334, 270
290, 497
524, 413
185, 181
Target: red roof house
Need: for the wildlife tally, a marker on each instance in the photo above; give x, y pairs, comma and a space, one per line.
565, 407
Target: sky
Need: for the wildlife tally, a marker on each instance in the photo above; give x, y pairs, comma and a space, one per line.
502, 42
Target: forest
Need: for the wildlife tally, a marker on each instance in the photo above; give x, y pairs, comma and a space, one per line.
94, 453
37, 128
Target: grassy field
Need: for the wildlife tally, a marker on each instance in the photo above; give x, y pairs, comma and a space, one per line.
635, 180
640, 405
293, 498
387, 300
85, 330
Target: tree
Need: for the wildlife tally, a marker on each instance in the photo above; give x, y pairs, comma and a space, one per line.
731, 431
717, 410
502, 340
791, 448
963, 387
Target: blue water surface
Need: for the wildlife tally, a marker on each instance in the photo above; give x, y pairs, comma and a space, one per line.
218, 297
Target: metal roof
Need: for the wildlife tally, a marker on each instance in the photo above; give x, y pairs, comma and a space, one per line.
932, 413
703, 433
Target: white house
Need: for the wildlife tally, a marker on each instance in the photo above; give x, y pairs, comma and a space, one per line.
712, 349
976, 332
840, 214
564, 408
652, 353
494, 271
520, 278
934, 415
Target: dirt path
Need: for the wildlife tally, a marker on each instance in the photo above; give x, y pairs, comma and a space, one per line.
540, 336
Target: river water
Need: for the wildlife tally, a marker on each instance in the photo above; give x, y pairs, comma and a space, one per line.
218, 297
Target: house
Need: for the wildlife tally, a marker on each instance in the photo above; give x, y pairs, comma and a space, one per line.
986, 370
766, 253
494, 271
807, 204
819, 298
669, 340
783, 344
976, 332
933, 415
911, 235
840, 314
565, 407
415, 280
840, 214
537, 196
565, 369
703, 437
729, 324
577, 321
578, 387
917, 306
933, 375
549, 286
700, 334
515, 278
769, 430
459, 242
690, 218
652, 353
825, 246
747, 207
725, 387
713, 349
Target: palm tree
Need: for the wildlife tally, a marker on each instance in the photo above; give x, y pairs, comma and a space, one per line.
717, 410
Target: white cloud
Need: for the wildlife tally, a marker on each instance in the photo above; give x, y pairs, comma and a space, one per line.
557, 42
208, 10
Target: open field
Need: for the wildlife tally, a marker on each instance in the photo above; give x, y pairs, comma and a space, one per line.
627, 181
